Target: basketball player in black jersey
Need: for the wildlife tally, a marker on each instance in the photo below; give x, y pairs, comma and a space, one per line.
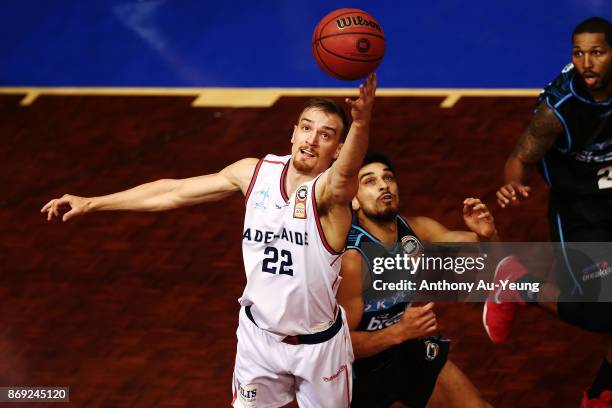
398, 357
569, 140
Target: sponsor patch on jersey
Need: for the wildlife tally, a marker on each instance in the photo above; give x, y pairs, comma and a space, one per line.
247, 394
382, 321
299, 208
411, 245
431, 350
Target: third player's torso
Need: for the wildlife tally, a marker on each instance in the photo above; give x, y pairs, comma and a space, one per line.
580, 162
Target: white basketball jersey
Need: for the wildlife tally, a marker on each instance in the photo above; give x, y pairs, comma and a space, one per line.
292, 273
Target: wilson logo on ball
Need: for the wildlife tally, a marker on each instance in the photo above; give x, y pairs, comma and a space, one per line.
363, 45
356, 21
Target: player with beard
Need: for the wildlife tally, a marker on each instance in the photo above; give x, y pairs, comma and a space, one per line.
293, 341
398, 356
569, 139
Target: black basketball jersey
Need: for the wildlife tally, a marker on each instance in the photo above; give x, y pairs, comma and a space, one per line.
382, 308
580, 162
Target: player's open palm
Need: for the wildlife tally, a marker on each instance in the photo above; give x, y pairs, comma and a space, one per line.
478, 218
361, 108
68, 205
418, 321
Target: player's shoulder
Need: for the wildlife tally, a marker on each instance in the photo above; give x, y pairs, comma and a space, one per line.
559, 87
358, 236
271, 158
265, 164
419, 221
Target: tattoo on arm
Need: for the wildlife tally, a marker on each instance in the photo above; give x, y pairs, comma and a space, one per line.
538, 138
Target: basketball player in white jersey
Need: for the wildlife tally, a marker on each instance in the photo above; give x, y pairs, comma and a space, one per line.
293, 339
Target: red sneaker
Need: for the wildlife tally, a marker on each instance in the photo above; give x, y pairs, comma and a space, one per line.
501, 306
604, 400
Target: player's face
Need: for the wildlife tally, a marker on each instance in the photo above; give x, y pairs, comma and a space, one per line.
316, 140
592, 58
378, 194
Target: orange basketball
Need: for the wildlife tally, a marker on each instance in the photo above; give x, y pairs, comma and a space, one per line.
348, 44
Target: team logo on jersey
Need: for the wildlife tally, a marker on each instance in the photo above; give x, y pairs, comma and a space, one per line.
431, 350
248, 395
411, 245
262, 197
299, 208
567, 68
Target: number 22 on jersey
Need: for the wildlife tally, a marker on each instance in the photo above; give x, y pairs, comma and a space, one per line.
271, 262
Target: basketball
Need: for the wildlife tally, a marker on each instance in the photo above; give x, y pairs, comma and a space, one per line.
348, 44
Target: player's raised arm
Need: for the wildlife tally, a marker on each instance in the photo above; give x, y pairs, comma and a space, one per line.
340, 183
530, 148
159, 195
476, 216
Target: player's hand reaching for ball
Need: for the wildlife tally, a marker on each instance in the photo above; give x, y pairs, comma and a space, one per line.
67, 206
417, 321
478, 219
361, 108
512, 194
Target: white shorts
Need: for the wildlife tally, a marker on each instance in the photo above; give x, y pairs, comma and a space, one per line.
269, 373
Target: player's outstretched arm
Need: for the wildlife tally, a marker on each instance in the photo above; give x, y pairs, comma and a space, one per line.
530, 148
416, 321
339, 184
476, 216
159, 195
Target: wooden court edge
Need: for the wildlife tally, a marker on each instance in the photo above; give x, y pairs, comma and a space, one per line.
261, 97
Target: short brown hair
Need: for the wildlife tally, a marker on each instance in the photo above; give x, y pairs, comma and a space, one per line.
329, 106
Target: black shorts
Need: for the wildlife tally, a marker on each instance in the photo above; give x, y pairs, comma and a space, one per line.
582, 279
406, 373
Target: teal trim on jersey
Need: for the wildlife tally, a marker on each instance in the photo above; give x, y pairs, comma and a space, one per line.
366, 233
567, 263
376, 240
358, 240
566, 97
405, 223
362, 254
585, 100
545, 169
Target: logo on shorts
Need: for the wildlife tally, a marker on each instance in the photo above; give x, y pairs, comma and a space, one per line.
431, 350
596, 271
411, 245
299, 208
248, 395
336, 375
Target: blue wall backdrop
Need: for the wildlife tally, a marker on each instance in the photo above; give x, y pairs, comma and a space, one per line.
186, 43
